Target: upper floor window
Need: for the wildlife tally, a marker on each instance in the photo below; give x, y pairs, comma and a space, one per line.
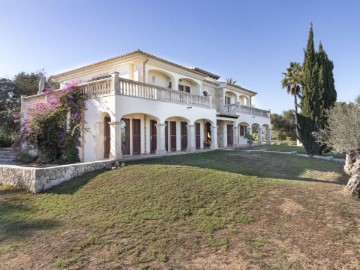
227, 100
184, 88
205, 94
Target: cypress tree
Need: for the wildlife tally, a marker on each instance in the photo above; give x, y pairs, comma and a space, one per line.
328, 93
310, 109
310, 90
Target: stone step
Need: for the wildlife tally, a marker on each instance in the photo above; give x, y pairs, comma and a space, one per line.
7, 156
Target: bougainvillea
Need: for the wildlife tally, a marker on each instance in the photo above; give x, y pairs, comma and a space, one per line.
54, 126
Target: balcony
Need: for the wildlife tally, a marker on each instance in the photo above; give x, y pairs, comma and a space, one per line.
237, 109
124, 87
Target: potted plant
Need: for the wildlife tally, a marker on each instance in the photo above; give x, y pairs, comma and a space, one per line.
250, 138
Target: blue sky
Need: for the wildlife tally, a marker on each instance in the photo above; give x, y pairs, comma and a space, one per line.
251, 41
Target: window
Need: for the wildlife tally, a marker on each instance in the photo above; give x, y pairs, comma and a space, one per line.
170, 85
227, 100
243, 130
205, 94
184, 88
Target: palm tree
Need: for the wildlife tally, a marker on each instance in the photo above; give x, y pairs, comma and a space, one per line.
230, 81
292, 81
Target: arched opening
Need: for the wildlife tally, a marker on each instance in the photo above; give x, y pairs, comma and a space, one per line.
230, 98
207, 135
256, 132
138, 134
205, 94
266, 134
202, 132
244, 100
176, 134
189, 86
160, 78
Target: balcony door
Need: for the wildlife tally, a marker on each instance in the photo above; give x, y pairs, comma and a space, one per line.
167, 135
172, 136
184, 140
136, 136
107, 120
197, 132
153, 136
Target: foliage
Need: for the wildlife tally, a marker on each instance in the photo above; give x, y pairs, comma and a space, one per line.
343, 130
230, 81
48, 128
249, 137
283, 125
343, 134
292, 81
326, 84
10, 92
318, 95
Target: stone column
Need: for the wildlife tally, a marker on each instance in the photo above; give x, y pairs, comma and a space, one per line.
115, 84
235, 136
259, 135
268, 135
115, 140
223, 134
202, 135
160, 129
214, 143
248, 130
191, 138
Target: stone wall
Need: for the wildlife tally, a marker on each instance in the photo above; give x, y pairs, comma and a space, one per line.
40, 179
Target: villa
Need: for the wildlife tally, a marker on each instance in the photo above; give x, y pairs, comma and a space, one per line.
141, 104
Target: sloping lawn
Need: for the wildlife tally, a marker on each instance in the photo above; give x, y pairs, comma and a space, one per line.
215, 210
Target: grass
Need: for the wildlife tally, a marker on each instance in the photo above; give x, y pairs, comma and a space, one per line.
214, 210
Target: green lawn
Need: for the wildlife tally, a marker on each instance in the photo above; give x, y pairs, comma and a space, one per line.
214, 210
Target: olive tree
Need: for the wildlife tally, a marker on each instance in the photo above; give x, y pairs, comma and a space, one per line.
343, 135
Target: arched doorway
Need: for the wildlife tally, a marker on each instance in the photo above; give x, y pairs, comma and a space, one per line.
207, 135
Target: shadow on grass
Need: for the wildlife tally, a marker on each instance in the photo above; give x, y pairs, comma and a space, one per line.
264, 165
16, 221
73, 185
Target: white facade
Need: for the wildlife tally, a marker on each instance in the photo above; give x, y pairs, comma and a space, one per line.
141, 104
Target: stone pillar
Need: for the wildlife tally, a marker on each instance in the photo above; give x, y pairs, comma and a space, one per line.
259, 135
235, 136
191, 138
115, 140
214, 143
249, 130
115, 83
268, 135
202, 136
160, 129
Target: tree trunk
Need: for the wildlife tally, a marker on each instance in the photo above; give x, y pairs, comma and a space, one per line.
353, 185
352, 168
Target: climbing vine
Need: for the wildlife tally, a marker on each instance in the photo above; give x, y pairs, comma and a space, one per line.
54, 126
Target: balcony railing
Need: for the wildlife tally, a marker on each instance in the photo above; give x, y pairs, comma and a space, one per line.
148, 91
124, 87
237, 109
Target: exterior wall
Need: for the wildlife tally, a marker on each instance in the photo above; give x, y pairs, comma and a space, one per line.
118, 107
40, 179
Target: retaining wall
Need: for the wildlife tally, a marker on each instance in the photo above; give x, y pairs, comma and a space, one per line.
40, 179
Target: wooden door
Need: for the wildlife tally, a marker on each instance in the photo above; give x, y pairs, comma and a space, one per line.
184, 141
125, 136
197, 134
153, 137
167, 135
230, 135
136, 136
172, 136
107, 120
